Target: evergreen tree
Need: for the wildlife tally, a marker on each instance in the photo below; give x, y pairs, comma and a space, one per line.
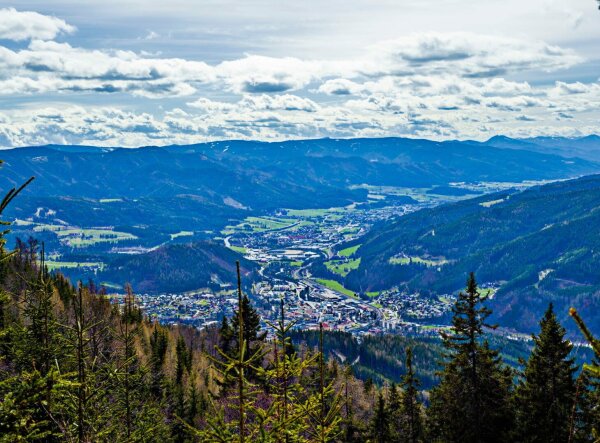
545, 398
395, 414
159, 342
411, 420
472, 402
380, 423
251, 331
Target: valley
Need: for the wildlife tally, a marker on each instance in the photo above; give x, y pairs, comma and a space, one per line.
314, 222
297, 254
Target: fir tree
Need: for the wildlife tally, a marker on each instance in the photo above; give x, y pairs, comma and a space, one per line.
380, 424
545, 398
411, 425
395, 414
472, 401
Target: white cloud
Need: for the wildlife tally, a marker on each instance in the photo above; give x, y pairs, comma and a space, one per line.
441, 85
25, 25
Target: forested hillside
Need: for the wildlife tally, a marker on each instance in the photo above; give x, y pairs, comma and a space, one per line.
182, 187
534, 247
179, 267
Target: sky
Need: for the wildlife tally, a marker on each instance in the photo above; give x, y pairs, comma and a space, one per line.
134, 73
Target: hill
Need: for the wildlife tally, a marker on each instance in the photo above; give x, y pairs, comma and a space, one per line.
179, 268
183, 187
581, 147
532, 247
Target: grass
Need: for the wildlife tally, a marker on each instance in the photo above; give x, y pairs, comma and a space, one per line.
491, 203
348, 251
78, 238
259, 224
296, 263
408, 260
335, 286
181, 234
341, 267
54, 264
238, 249
373, 294
312, 212
377, 305
81, 237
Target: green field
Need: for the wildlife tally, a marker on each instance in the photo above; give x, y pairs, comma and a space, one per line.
259, 224
373, 294
425, 261
81, 237
491, 203
181, 234
54, 264
348, 251
312, 212
341, 267
335, 286
296, 263
238, 249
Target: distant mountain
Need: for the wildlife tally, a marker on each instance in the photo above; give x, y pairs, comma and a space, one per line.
203, 186
536, 246
587, 148
179, 268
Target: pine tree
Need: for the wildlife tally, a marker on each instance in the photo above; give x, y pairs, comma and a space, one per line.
351, 429
411, 419
380, 423
159, 342
251, 331
472, 401
545, 398
394, 406
236, 367
593, 372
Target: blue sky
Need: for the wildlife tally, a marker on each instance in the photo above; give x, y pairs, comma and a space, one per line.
134, 72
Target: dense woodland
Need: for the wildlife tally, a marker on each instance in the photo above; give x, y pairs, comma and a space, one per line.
73, 367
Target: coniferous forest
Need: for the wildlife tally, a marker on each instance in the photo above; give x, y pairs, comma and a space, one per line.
73, 367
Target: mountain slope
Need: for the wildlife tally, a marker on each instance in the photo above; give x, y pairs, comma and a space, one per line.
587, 148
206, 185
179, 268
536, 246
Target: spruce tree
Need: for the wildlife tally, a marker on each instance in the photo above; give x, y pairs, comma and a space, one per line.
472, 402
251, 330
411, 416
380, 423
395, 414
545, 397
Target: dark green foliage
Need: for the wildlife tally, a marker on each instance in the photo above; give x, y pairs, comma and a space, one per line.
251, 331
472, 401
545, 397
410, 428
380, 424
178, 267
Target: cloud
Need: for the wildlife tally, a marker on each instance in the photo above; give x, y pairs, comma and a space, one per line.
438, 85
469, 55
339, 86
25, 25
284, 102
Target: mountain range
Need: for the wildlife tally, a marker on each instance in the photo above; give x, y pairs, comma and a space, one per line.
533, 247
183, 187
